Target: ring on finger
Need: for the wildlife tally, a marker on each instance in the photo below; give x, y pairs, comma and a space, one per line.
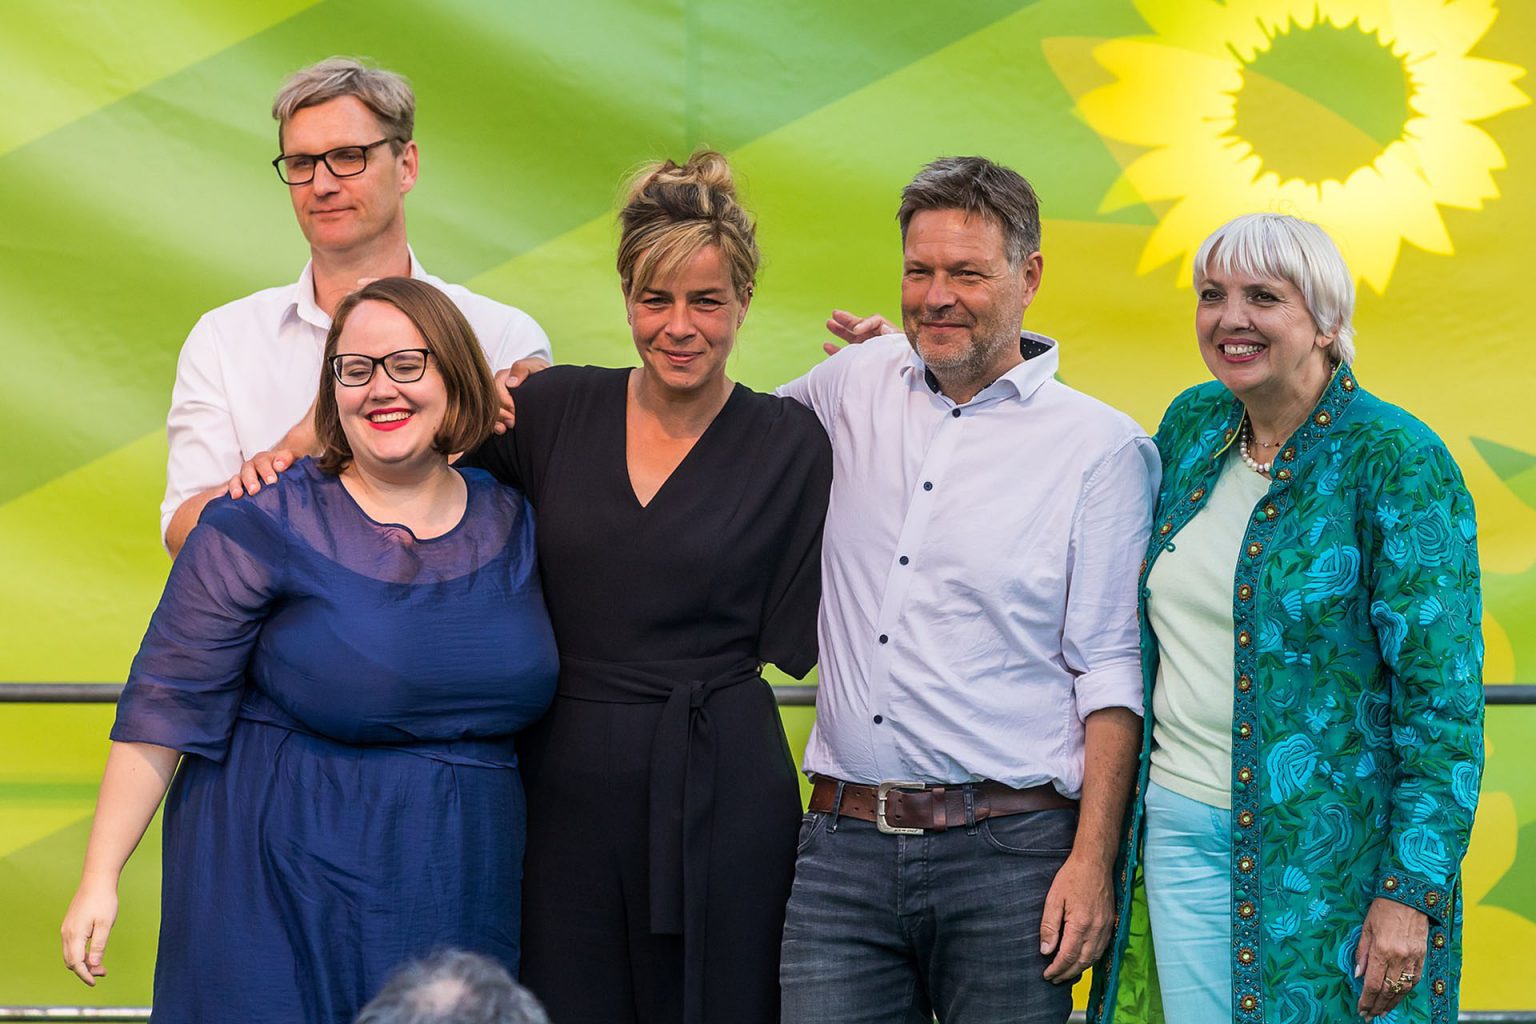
1395, 985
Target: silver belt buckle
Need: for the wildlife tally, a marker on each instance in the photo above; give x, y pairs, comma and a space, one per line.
881, 793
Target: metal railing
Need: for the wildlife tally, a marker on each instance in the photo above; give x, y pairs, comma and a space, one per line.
787, 696
72, 1014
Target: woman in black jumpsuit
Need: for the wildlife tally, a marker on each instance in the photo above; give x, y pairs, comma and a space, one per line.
663, 804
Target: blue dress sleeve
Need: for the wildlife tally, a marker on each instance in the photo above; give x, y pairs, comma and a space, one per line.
185, 687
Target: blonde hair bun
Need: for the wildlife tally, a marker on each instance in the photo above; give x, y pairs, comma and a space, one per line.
706, 169
672, 210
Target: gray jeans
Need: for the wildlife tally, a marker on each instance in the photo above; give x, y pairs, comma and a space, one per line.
884, 929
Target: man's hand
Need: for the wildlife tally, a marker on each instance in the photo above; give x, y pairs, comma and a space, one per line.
263, 467
1390, 956
1079, 918
509, 379
1080, 906
856, 330
259, 468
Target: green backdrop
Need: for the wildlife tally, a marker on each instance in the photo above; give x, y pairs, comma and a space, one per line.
135, 194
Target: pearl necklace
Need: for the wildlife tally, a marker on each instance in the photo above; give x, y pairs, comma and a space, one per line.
1262, 468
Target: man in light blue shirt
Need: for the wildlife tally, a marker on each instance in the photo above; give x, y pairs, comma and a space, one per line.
978, 718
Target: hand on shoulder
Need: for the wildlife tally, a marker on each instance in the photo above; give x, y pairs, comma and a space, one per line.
508, 381
263, 467
855, 329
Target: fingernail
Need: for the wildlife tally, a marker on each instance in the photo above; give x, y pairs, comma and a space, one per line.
271, 479
1359, 970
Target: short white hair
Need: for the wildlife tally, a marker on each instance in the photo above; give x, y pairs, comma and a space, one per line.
1275, 245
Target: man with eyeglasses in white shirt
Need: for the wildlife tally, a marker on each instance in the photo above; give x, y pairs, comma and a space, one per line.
979, 712
248, 372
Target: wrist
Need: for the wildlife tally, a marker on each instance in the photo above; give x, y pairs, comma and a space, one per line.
1413, 891
1094, 856
99, 881
97, 877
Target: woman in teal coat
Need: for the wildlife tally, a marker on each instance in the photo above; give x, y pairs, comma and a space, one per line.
1312, 652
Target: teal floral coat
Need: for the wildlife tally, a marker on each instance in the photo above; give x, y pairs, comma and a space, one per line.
1357, 739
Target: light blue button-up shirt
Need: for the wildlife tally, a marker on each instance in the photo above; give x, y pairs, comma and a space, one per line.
979, 570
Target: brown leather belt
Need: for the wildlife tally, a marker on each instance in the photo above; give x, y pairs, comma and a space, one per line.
911, 808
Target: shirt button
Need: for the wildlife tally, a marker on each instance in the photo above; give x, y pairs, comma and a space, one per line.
879, 719
904, 559
884, 638
927, 485
955, 413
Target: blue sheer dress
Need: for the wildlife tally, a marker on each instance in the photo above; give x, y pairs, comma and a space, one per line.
345, 697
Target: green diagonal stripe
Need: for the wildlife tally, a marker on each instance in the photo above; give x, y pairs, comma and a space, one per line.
123, 226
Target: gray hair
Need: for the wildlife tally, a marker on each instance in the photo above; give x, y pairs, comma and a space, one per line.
453, 987
385, 93
977, 186
1279, 246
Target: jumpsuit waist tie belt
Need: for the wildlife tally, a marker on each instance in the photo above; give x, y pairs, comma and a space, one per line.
682, 784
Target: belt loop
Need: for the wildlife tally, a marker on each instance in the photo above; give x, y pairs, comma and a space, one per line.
970, 809
837, 807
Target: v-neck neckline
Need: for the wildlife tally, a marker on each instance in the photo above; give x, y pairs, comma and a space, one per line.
629, 483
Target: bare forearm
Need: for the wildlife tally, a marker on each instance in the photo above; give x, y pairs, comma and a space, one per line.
132, 787
1111, 741
185, 517
1080, 905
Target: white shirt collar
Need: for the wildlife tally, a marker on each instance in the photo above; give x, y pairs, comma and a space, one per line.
304, 306
1042, 358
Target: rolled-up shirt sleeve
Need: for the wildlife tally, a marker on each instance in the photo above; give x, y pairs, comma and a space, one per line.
200, 432
1101, 639
521, 338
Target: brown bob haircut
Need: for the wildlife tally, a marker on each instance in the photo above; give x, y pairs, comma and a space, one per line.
472, 402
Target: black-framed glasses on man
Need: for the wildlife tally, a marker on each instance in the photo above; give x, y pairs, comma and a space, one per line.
342, 162
404, 367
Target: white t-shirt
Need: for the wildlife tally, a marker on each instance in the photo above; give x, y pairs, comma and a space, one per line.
249, 371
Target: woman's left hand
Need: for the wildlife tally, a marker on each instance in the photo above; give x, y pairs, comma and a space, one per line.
1391, 955
87, 923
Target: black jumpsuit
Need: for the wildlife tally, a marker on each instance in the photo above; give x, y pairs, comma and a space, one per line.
663, 805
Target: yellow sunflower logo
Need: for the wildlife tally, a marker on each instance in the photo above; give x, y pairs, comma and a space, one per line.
1358, 114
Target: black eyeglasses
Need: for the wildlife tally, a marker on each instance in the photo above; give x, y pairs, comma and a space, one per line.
404, 367
342, 162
